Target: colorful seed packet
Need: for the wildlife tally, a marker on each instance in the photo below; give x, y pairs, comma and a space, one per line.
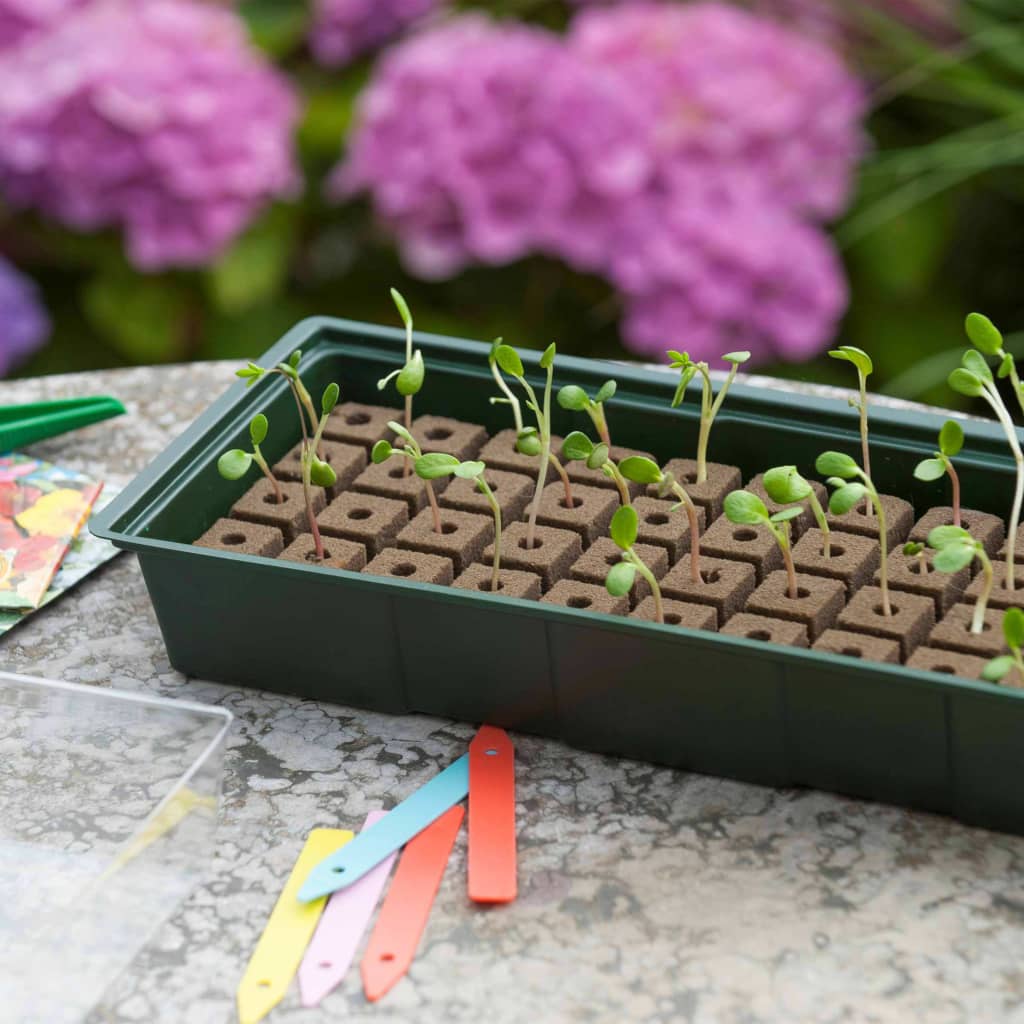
42, 510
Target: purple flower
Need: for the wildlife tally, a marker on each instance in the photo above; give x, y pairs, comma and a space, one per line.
728, 90
482, 142
156, 117
23, 323
20, 19
344, 29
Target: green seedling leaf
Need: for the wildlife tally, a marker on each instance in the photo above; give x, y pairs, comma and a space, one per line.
784, 515
494, 346
573, 397
258, 427
912, 548
233, 465
330, 398
402, 306
508, 360
469, 470
624, 526
974, 362
1005, 367
684, 382
295, 358
619, 581
528, 442
435, 465
963, 382
410, 377
951, 438
288, 370
385, 381
548, 358
736, 358
954, 557
983, 334
930, 469
606, 391
321, 473
997, 668
744, 507
640, 470
598, 457
402, 432
942, 536
677, 359
1013, 627
836, 464
577, 447
846, 498
784, 485
382, 451
857, 356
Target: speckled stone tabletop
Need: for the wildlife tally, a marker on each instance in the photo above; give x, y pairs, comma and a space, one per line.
645, 894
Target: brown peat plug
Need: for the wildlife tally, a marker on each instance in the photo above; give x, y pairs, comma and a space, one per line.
1000, 596
463, 536
910, 623
512, 491
858, 645
944, 588
415, 566
983, 526
338, 553
852, 559
1018, 553
683, 614
739, 542
661, 523
593, 565
511, 583
725, 586
550, 558
899, 518
242, 538
592, 510
580, 473
500, 453
347, 461
805, 520
574, 594
453, 437
260, 505
767, 629
708, 495
817, 603
364, 518
390, 480
948, 663
364, 425
953, 632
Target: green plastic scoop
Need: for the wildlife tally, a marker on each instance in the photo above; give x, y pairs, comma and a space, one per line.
23, 424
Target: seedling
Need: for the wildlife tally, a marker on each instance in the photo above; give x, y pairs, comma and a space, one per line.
862, 364
842, 472
955, 549
410, 451
576, 399
951, 440
289, 369
746, 509
642, 470
988, 339
915, 549
1013, 633
234, 464
708, 408
974, 379
437, 464
621, 577
508, 360
408, 378
579, 448
314, 469
785, 486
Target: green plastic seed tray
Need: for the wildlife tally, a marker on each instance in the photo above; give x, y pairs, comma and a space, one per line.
699, 701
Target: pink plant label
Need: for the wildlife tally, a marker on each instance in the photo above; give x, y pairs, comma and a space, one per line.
342, 925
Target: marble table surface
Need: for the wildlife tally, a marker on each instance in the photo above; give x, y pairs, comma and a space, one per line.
645, 894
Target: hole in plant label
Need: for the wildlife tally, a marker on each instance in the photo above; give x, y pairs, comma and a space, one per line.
326, 964
491, 752
264, 983
387, 957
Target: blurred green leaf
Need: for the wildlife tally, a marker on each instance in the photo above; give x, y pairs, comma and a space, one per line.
276, 26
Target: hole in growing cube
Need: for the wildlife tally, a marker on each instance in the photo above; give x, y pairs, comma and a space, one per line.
448, 528
759, 634
357, 419
438, 434
359, 513
232, 539
271, 499
403, 569
852, 652
744, 535
656, 519
579, 601
673, 618
576, 502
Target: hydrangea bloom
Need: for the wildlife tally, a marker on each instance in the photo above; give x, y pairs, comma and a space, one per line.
157, 117
23, 324
483, 142
343, 29
734, 92
20, 19
833, 21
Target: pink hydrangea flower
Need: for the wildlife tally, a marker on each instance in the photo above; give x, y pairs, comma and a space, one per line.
20, 19
155, 117
23, 323
344, 29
